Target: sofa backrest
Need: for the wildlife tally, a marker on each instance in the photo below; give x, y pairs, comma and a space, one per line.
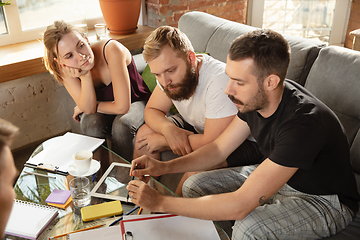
214, 35
335, 79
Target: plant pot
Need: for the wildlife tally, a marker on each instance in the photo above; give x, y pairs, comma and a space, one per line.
121, 16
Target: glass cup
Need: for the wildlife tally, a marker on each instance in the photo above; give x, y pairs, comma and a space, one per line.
80, 191
100, 30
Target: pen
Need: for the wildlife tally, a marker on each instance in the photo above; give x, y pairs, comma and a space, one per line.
62, 235
128, 213
127, 198
39, 174
139, 212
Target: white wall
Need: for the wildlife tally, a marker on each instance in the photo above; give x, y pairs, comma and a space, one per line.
38, 105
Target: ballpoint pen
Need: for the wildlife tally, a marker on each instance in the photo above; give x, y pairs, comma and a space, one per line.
127, 198
128, 213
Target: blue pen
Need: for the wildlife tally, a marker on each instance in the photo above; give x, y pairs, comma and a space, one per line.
128, 213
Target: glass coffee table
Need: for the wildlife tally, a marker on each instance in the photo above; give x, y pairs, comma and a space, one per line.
35, 189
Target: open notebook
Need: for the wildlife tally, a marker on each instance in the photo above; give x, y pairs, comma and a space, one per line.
29, 220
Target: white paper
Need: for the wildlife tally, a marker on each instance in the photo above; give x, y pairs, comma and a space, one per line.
59, 152
169, 227
104, 233
29, 219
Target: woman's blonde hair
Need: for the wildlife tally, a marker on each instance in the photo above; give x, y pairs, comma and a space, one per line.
51, 37
166, 36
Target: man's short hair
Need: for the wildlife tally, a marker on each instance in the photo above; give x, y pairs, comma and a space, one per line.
166, 36
269, 50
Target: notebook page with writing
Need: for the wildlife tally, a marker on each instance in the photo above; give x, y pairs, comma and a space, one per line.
167, 226
29, 220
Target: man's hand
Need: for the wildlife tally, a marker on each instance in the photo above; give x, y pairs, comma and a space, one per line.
178, 140
145, 196
146, 166
77, 113
153, 143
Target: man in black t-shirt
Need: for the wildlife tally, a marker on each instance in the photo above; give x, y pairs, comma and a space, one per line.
303, 188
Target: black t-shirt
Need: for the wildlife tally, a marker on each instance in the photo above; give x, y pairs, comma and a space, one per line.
304, 133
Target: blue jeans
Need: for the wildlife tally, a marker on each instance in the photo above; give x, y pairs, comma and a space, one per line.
121, 128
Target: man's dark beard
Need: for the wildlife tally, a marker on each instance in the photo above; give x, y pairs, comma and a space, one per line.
186, 88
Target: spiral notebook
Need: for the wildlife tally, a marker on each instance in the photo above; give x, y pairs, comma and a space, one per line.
29, 220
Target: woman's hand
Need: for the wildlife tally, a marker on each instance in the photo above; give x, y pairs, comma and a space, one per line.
77, 113
71, 71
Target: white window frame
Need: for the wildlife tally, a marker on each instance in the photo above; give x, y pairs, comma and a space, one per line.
15, 32
340, 21
17, 35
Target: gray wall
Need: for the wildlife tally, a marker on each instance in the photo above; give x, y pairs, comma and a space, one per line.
39, 106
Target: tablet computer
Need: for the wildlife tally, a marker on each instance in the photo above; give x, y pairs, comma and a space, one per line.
112, 185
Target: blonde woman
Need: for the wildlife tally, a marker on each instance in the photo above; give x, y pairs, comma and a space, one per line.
103, 81
8, 172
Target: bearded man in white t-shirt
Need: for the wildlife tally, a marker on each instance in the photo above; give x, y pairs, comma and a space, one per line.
195, 84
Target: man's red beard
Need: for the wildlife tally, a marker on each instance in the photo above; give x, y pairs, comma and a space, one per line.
186, 88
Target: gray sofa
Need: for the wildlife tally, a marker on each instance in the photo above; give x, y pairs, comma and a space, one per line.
331, 73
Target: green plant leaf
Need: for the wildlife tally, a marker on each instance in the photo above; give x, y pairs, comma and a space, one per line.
7, 3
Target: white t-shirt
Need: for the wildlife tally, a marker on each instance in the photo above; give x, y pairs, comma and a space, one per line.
209, 100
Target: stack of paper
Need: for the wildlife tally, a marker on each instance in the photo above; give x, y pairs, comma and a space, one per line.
59, 198
58, 155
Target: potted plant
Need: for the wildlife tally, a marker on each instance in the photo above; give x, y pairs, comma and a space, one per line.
121, 16
3, 4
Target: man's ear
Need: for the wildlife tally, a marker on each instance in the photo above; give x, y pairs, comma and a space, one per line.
272, 82
191, 58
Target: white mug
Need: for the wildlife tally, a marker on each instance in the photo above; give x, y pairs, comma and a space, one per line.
82, 160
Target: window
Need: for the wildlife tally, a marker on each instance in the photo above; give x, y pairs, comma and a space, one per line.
25, 20
325, 20
3, 29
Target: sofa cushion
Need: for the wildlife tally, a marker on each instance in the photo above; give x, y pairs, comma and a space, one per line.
211, 34
334, 79
219, 34
199, 27
303, 55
